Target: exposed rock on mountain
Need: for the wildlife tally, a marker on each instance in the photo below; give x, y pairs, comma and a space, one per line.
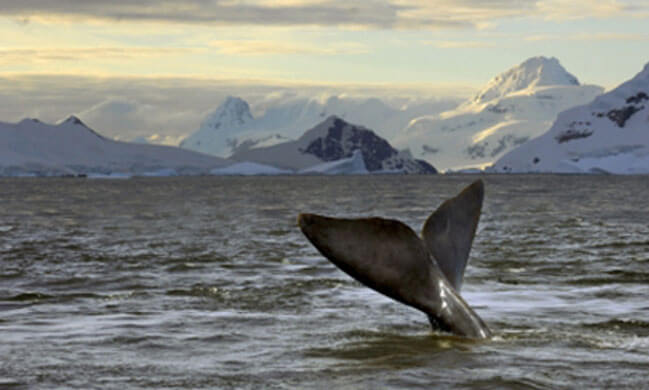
610, 134
512, 108
332, 140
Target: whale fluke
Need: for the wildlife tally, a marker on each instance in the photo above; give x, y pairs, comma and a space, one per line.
448, 232
389, 257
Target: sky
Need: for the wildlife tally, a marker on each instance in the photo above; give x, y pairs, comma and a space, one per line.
80, 56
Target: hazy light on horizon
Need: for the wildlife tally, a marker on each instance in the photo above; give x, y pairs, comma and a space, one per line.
429, 46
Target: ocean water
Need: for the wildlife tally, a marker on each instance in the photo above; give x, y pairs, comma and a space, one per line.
206, 282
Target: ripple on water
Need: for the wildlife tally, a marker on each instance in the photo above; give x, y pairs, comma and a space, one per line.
207, 283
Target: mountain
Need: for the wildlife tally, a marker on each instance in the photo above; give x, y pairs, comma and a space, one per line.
534, 72
31, 147
231, 128
354, 165
218, 134
610, 134
512, 108
332, 140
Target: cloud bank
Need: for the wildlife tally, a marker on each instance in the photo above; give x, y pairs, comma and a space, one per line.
378, 14
164, 110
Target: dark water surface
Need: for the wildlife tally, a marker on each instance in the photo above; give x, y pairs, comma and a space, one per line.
186, 283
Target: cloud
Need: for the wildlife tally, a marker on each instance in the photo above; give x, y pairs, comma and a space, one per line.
164, 139
596, 37
255, 47
20, 56
376, 14
380, 14
127, 118
459, 44
172, 108
580, 9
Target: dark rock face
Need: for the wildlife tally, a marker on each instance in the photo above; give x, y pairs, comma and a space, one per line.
576, 130
338, 144
481, 150
427, 149
477, 151
638, 98
76, 121
497, 109
506, 141
570, 135
426, 167
622, 115
343, 139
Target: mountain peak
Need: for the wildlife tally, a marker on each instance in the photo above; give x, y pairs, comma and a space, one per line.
233, 112
533, 72
73, 120
332, 119
234, 101
26, 121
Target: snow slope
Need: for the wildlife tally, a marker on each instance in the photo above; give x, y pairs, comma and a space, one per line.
611, 134
512, 108
31, 147
354, 165
231, 128
223, 130
334, 139
247, 168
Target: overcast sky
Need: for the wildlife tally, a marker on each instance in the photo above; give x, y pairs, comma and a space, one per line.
425, 45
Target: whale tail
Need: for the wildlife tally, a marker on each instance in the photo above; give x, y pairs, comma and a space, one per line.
387, 256
449, 231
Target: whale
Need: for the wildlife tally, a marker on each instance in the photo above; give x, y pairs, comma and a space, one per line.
425, 272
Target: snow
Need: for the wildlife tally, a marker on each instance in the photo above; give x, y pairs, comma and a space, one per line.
31, 147
514, 107
232, 129
108, 176
164, 172
217, 133
534, 72
293, 155
288, 155
608, 135
140, 140
354, 165
248, 168
467, 171
626, 163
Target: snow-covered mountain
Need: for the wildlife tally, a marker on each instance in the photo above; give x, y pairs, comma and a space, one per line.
354, 165
31, 147
221, 132
333, 140
231, 128
512, 108
611, 134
